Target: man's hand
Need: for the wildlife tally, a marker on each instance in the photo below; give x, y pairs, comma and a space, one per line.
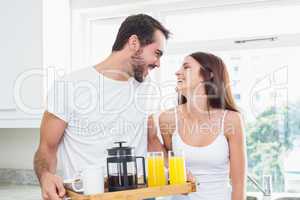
52, 187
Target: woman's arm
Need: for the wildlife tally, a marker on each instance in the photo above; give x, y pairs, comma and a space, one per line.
238, 161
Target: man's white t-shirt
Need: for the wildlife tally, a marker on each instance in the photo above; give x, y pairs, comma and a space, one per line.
99, 111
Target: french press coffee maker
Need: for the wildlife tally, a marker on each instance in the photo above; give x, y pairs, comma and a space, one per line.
122, 168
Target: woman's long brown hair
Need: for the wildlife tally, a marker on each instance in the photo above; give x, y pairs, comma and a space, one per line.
216, 80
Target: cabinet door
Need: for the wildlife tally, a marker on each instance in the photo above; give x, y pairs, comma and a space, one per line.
34, 35
21, 44
92, 40
21, 51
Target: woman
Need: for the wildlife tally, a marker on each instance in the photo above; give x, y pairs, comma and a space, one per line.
207, 126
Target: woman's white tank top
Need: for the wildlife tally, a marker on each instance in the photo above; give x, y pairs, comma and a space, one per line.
209, 164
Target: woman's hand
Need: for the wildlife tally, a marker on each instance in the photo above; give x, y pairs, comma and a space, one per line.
190, 177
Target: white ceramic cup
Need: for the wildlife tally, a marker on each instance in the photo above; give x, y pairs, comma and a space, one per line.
93, 179
73, 184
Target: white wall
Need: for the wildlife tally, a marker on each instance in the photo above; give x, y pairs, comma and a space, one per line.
82, 4
17, 147
78, 4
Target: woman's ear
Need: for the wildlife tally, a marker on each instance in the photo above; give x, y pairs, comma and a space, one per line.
134, 43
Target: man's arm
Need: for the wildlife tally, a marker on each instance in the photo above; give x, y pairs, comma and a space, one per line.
154, 143
45, 160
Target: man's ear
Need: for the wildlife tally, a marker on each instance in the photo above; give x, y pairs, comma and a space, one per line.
134, 43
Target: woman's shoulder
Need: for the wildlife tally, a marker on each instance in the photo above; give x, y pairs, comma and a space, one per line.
233, 116
233, 122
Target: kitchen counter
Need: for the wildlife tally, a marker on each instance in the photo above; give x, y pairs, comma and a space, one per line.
274, 196
24, 192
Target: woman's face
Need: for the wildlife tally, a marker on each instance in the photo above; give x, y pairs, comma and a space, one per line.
188, 76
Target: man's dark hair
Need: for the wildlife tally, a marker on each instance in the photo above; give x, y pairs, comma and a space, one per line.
141, 25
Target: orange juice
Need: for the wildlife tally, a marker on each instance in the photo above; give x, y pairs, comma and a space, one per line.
177, 170
156, 172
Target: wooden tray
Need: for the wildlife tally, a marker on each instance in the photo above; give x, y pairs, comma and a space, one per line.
137, 194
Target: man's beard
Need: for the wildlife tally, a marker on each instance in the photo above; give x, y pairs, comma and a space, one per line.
139, 66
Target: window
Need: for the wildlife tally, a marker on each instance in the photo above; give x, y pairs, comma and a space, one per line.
237, 97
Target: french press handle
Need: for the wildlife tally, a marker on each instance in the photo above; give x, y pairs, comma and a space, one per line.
144, 169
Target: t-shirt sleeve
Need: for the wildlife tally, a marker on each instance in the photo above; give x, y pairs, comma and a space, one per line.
58, 100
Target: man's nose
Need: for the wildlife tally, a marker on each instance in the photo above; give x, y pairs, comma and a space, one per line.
157, 63
178, 72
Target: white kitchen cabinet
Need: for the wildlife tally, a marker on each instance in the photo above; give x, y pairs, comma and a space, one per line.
34, 34
20, 50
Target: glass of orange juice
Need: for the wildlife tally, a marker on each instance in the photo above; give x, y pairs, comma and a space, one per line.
155, 169
177, 173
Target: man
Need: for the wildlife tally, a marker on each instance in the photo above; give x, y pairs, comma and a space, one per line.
92, 108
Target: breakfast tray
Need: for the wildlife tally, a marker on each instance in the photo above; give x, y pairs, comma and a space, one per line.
137, 194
